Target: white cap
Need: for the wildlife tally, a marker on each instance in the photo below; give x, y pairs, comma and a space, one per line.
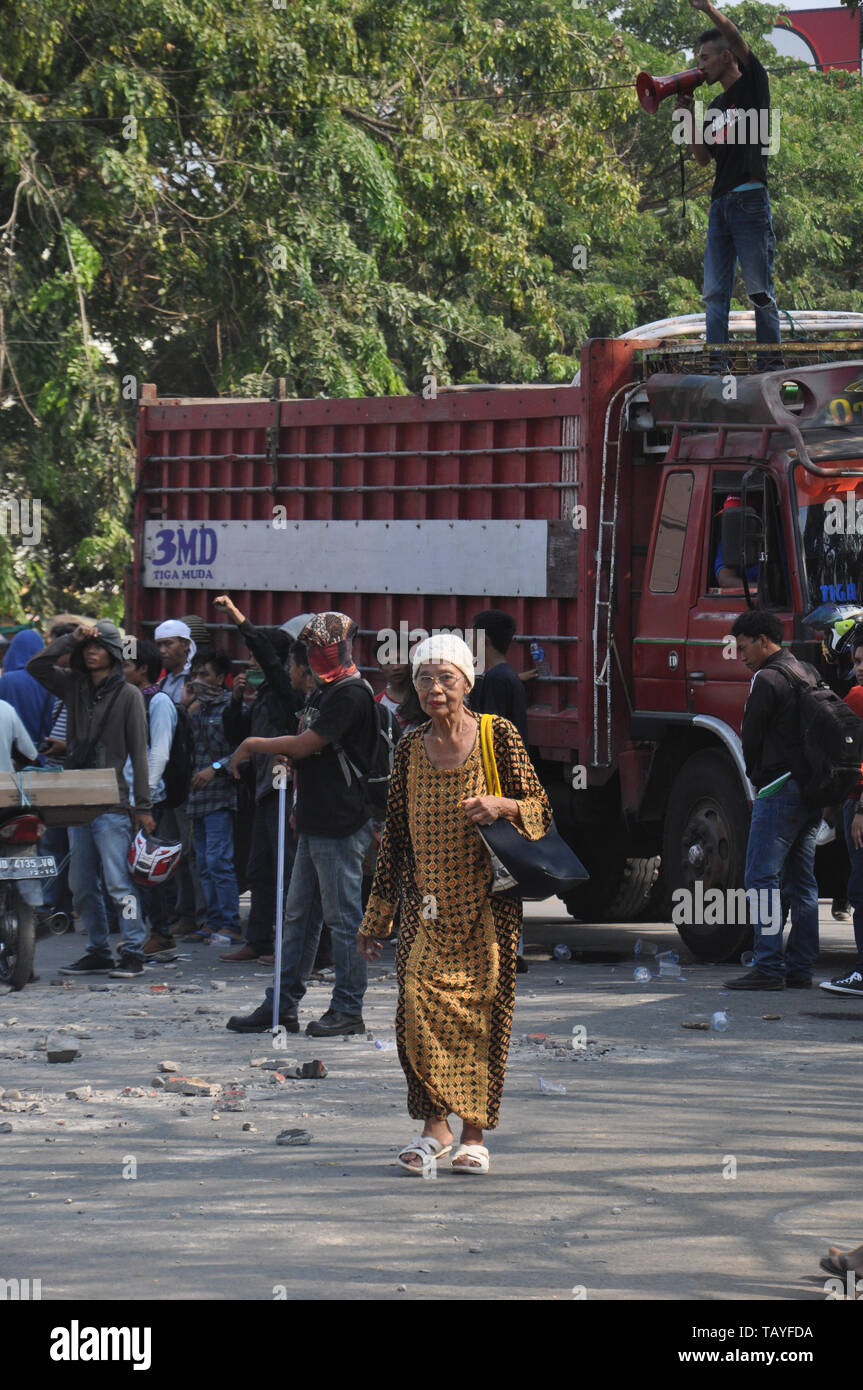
445, 646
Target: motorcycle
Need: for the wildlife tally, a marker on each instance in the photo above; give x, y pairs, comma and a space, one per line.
22, 870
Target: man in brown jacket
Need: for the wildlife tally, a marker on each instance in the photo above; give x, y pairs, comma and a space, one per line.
107, 723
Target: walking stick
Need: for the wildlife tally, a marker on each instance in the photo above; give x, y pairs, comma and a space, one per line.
280, 900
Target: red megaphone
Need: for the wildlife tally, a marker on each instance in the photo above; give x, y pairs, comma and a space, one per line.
652, 90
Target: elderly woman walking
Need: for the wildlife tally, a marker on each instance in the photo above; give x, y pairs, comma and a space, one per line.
456, 953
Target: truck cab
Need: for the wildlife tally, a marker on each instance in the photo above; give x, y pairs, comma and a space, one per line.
755, 505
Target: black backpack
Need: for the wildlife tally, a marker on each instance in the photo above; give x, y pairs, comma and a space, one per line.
181, 759
832, 747
376, 780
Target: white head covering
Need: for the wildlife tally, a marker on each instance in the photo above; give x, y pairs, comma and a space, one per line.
174, 628
445, 646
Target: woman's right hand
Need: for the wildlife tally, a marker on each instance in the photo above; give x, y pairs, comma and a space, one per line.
369, 947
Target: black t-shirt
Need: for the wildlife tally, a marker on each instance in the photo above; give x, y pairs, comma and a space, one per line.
501, 692
327, 804
741, 131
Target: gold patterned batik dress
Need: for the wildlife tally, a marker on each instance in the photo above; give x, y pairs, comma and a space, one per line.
457, 946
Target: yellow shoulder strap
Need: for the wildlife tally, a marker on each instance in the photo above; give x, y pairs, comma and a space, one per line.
492, 780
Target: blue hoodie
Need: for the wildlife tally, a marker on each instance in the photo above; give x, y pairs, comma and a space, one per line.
21, 691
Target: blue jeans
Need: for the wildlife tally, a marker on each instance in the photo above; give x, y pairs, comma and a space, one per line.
855, 881
105, 843
332, 869
740, 228
782, 847
214, 856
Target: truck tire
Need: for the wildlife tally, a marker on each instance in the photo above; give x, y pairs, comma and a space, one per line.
706, 828
615, 895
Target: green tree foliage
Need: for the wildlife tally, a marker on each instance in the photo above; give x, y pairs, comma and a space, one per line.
348, 194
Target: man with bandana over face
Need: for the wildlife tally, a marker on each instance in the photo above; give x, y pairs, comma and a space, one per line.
338, 735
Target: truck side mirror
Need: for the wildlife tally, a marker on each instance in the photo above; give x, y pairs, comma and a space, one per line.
741, 537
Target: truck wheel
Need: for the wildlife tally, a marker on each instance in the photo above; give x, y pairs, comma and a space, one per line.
706, 828
617, 894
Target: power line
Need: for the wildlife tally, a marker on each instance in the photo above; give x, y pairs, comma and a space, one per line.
439, 99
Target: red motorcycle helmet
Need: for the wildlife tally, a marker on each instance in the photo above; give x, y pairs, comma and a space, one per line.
153, 861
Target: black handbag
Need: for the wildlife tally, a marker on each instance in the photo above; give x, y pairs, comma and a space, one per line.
524, 868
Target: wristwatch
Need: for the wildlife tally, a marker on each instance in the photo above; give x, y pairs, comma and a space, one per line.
217, 767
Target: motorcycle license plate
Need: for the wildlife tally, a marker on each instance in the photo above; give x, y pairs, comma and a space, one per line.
41, 866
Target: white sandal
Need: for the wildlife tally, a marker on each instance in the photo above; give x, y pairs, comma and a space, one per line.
475, 1151
428, 1149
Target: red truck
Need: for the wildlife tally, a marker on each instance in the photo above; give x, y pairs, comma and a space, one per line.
593, 513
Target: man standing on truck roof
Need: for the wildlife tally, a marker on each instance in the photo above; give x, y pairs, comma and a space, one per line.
740, 227
784, 828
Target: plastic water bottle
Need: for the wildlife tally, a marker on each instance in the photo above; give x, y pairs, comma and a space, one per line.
641, 973
720, 1021
562, 953
551, 1088
537, 654
668, 966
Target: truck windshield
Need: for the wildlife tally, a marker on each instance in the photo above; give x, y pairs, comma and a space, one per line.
830, 515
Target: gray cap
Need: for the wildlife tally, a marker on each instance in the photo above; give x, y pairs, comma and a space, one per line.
294, 626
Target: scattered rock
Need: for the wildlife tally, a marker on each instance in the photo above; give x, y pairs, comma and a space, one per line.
98, 989
80, 1093
259, 1061
696, 1026
401, 1288
277, 1064
249, 1128
218, 984
12, 1095
192, 1086
771, 1018
136, 1091
168, 1066
207, 1009
312, 1071
615, 1211
5, 1128
293, 1138
62, 1054
158, 1082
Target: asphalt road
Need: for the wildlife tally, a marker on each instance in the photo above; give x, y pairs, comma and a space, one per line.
678, 1164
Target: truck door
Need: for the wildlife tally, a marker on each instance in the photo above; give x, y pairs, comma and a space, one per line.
717, 682
659, 647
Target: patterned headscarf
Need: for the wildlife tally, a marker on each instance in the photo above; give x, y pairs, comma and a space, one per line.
328, 645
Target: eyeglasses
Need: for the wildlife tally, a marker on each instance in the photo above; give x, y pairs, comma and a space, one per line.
446, 682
